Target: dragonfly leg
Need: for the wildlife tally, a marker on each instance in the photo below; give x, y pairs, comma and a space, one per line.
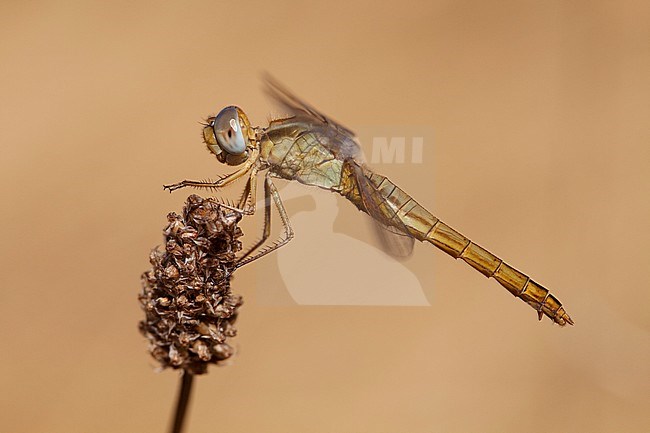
270, 193
224, 181
248, 200
267, 222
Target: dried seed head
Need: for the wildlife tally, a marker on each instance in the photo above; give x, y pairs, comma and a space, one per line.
189, 309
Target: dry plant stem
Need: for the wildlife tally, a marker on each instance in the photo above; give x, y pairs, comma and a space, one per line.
183, 400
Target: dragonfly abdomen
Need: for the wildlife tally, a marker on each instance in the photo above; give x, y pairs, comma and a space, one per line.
516, 282
425, 227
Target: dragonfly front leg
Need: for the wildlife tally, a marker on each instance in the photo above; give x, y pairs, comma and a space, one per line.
224, 181
249, 194
270, 193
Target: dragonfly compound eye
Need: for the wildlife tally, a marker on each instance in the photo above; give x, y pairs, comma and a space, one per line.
231, 130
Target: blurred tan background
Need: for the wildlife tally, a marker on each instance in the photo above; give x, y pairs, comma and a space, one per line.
540, 112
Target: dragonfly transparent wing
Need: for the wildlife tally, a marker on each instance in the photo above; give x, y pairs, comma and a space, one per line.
339, 139
393, 234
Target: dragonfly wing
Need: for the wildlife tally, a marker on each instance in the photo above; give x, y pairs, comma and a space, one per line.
339, 139
394, 243
394, 236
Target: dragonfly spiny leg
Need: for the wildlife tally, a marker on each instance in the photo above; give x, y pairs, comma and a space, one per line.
209, 184
219, 183
266, 231
226, 203
248, 199
270, 192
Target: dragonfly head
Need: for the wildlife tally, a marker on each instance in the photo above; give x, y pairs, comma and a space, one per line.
229, 135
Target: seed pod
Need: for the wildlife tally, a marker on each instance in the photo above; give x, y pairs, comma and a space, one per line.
189, 309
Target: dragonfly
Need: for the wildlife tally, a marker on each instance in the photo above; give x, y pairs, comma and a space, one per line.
311, 148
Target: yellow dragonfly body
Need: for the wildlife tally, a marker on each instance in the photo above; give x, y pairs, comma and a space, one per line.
310, 148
